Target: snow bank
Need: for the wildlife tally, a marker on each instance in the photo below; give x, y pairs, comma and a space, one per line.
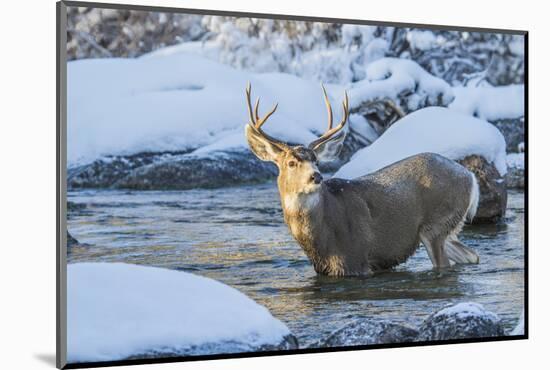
172, 100
490, 103
393, 77
435, 129
119, 310
178, 102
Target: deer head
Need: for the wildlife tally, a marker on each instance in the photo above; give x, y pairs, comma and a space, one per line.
298, 165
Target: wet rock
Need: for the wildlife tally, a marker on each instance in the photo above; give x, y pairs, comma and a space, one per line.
513, 131
104, 172
364, 332
515, 178
74, 245
172, 171
289, 342
71, 241
75, 207
217, 169
463, 320
492, 188
383, 113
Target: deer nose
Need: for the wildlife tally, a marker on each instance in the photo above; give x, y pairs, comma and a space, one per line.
316, 178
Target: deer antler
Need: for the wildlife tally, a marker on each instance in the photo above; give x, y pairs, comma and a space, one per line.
331, 131
255, 121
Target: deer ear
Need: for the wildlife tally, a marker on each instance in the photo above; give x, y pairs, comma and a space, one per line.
261, 146
328, 150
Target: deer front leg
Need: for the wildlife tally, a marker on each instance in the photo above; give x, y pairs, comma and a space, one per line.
436, 250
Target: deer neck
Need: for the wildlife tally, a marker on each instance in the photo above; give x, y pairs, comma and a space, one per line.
301, 204
303, 213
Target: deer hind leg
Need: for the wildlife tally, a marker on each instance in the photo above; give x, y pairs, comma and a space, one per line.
458, 252
436, 250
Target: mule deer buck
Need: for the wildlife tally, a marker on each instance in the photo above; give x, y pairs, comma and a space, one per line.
373, 222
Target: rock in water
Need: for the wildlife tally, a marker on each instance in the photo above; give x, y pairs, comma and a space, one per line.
168, 171
492, 189
289, 342
364, 332
214, 170
71, 241
463, 320
515, 177
520, 327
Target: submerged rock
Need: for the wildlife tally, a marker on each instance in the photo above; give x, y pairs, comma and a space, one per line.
463, 320
364, 332
492, 188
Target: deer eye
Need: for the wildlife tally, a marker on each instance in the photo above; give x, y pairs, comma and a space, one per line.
291, 163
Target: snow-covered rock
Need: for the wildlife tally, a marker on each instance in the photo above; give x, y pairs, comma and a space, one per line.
490, 103
463, 320
438, 130
504, 106
401, 81
365, 331
117, 311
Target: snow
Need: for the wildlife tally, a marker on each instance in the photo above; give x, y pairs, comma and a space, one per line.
434, 129
490, 103
515, 160
116, 310
178, 102
174, 100
464, 310
360, 125
392, 77
422, 40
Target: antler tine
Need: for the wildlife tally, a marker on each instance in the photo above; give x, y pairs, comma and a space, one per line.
256, 121
249, 105
262, 121
329, 108
256, 108
333, 130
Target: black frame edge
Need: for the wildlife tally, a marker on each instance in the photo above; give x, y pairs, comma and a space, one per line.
286, 17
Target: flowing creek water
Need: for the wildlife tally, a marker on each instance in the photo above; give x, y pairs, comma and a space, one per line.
237, 236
